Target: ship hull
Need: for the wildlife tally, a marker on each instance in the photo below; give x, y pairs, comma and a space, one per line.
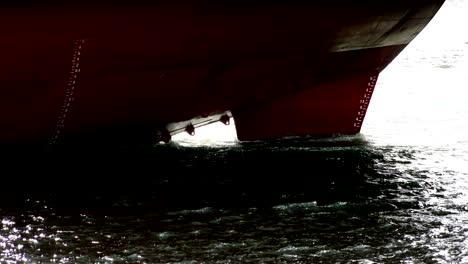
143, 73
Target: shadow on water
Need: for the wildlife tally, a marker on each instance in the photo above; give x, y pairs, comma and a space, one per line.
324, 170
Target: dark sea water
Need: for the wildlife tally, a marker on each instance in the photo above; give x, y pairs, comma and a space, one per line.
395, 193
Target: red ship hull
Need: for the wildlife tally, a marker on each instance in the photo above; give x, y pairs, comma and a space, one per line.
142, 73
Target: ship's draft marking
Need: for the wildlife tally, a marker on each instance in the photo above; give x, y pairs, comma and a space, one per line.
364, 103
69, 95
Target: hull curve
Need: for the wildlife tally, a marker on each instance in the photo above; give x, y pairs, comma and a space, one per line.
142, 73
